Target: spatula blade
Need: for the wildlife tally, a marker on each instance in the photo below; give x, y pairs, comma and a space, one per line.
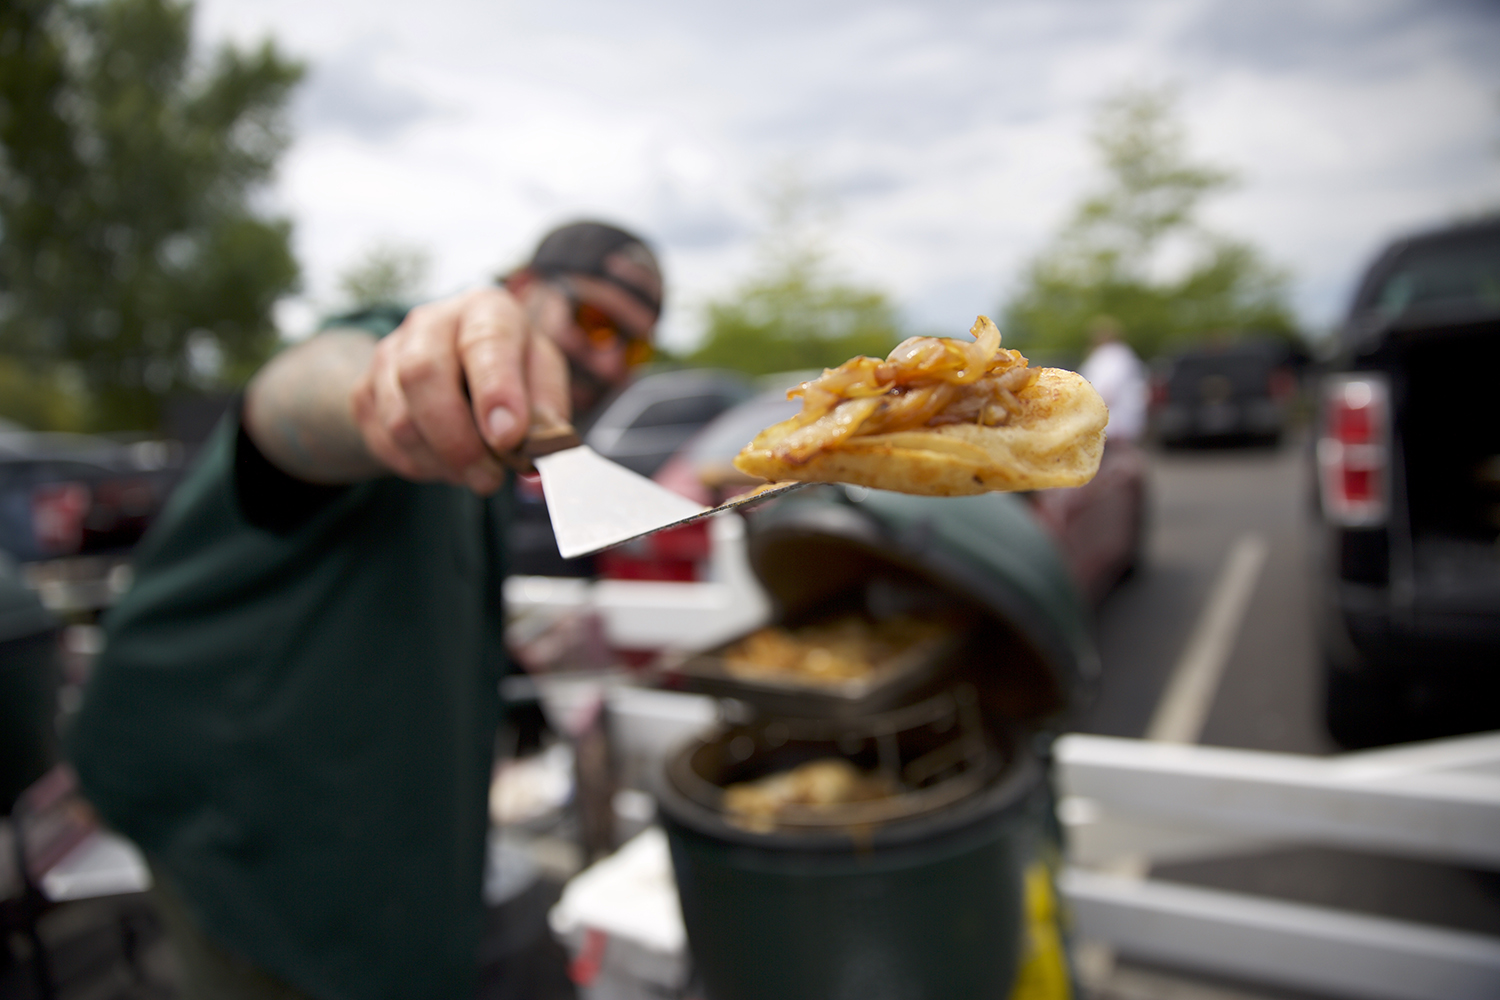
595, 503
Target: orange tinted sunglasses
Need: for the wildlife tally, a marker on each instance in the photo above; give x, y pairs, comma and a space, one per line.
605, 334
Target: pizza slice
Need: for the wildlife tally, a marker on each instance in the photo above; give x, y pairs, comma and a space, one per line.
938, 417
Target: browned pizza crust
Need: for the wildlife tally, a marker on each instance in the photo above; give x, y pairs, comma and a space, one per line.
1054, 437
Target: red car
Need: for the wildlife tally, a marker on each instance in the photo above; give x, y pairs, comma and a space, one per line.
1100, 526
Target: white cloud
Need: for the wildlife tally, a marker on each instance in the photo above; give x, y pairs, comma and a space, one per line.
953, 134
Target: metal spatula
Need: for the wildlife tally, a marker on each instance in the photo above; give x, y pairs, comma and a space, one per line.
595, 503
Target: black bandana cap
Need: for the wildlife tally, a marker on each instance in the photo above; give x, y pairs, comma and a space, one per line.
584, 248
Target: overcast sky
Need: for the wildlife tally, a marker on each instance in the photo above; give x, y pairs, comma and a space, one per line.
950, 136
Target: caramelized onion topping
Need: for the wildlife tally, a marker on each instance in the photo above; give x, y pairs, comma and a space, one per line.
923, 382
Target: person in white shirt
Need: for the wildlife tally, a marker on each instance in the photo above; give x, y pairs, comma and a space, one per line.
1119, 375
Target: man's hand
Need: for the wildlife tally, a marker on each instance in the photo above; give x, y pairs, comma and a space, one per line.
459, 378
423, 403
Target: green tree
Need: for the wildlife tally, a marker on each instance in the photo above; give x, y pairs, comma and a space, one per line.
1115, 255
795, 312
50, 399
388, 274
130, 246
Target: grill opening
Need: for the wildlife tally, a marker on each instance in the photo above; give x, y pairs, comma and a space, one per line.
932, 753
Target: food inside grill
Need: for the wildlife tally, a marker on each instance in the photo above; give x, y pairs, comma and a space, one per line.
832, 781
938, 417
845, 649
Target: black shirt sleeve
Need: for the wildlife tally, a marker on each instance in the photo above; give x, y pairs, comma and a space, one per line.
269, 498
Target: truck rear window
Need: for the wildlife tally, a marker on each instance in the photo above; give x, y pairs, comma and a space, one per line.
1457, 273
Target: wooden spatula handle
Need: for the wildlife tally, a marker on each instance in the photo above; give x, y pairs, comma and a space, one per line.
546, 440
548, 433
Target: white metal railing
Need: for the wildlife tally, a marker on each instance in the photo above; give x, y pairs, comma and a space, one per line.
647, 614
1129, 803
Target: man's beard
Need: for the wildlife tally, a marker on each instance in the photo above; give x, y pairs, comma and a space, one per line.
595, 389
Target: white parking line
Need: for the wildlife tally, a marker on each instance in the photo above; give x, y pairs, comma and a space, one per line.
1184, 705
1179, 717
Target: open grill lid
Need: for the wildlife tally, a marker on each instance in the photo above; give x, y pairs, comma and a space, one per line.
832, 546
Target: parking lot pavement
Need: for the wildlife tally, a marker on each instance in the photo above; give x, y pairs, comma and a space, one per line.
1268, 697
1202, 502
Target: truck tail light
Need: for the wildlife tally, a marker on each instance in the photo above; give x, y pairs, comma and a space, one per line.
1354, 450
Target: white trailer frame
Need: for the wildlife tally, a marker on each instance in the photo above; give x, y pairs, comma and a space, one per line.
658, 615
1129, 803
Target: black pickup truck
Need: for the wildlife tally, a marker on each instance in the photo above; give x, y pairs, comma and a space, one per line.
1408, 471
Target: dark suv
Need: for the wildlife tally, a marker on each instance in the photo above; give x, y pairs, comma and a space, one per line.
1408, 470
1242, 391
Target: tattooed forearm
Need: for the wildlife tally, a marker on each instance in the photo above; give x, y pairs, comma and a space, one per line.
297, 409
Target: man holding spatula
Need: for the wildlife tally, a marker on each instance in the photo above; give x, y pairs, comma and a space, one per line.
295, 714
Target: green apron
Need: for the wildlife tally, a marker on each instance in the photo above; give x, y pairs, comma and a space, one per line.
298, 725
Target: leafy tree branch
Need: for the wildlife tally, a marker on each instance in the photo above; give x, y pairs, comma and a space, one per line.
1115, 255
129, 237
795, 312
